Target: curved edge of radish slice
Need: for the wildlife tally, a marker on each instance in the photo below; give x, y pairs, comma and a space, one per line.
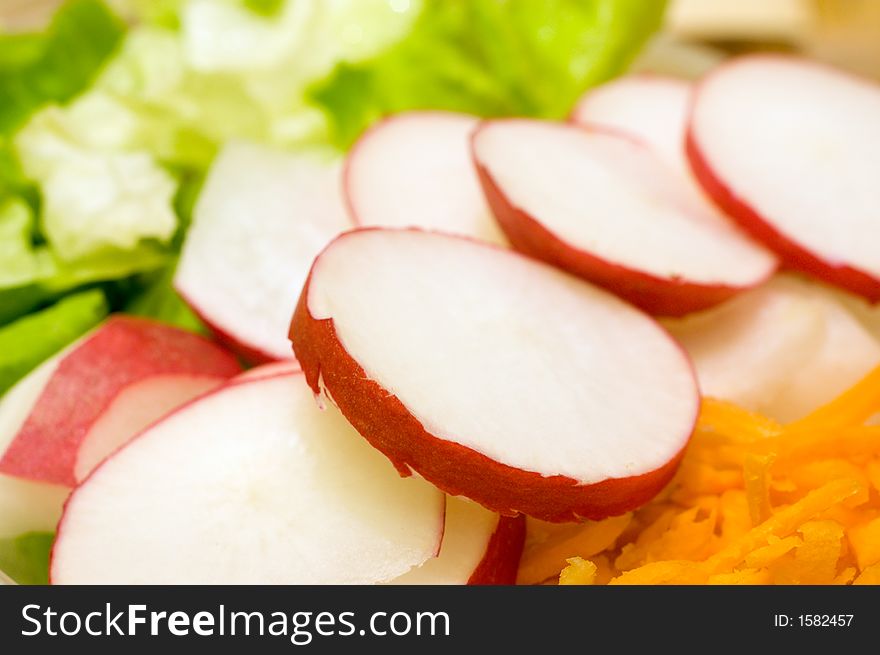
428, 505
660, 296
250, 354
267, 370
500, 564
422, 157
661, 124
479, 548
793, 254
750, 219
448, 465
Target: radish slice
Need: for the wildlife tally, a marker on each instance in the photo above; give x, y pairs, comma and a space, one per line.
789, 149
651, 108
259, 222
415, 170
494, 376
251, 484
782, 350
605, 208
80, 406
479, 547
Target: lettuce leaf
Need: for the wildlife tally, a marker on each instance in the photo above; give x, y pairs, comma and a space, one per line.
94, 199
20, 262
28, 341
490, 58
54, 66
264, 7
30, 273
25, 558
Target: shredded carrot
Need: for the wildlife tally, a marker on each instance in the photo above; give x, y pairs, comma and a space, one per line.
579, 571
756, 478
852, 407
736, 423
870, 575
754, 502
551, 545
865, 541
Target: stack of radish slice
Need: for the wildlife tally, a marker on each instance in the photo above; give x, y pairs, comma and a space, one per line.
63, 418
606, 208
270, 489
521, 380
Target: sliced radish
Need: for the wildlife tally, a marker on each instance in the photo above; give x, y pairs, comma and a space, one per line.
479, 548
250, 484
783, 349
789, 149
846, 355
268, 370
652, 108
494, 376
415, 170
602, 206
81, 405
259, 222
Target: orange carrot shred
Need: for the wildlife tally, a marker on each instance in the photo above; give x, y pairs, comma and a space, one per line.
753, 502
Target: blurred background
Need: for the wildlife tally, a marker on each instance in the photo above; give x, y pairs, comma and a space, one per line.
843, 32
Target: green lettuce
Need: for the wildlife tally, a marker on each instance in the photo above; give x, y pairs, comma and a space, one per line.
54, 66
490, 58
94, 199
105, 167
30, 340
20, 262
267, 8
159, 301
31, 274
25, 558
73, 215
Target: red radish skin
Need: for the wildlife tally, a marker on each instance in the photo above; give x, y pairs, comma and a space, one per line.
253, 356
660, 296
501, 561
794, 256
123, 351
383, 420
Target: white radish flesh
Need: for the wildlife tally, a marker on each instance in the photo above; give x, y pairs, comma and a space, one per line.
261, 218
415, 170
250, 484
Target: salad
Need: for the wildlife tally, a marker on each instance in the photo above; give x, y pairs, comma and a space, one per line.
422, 292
